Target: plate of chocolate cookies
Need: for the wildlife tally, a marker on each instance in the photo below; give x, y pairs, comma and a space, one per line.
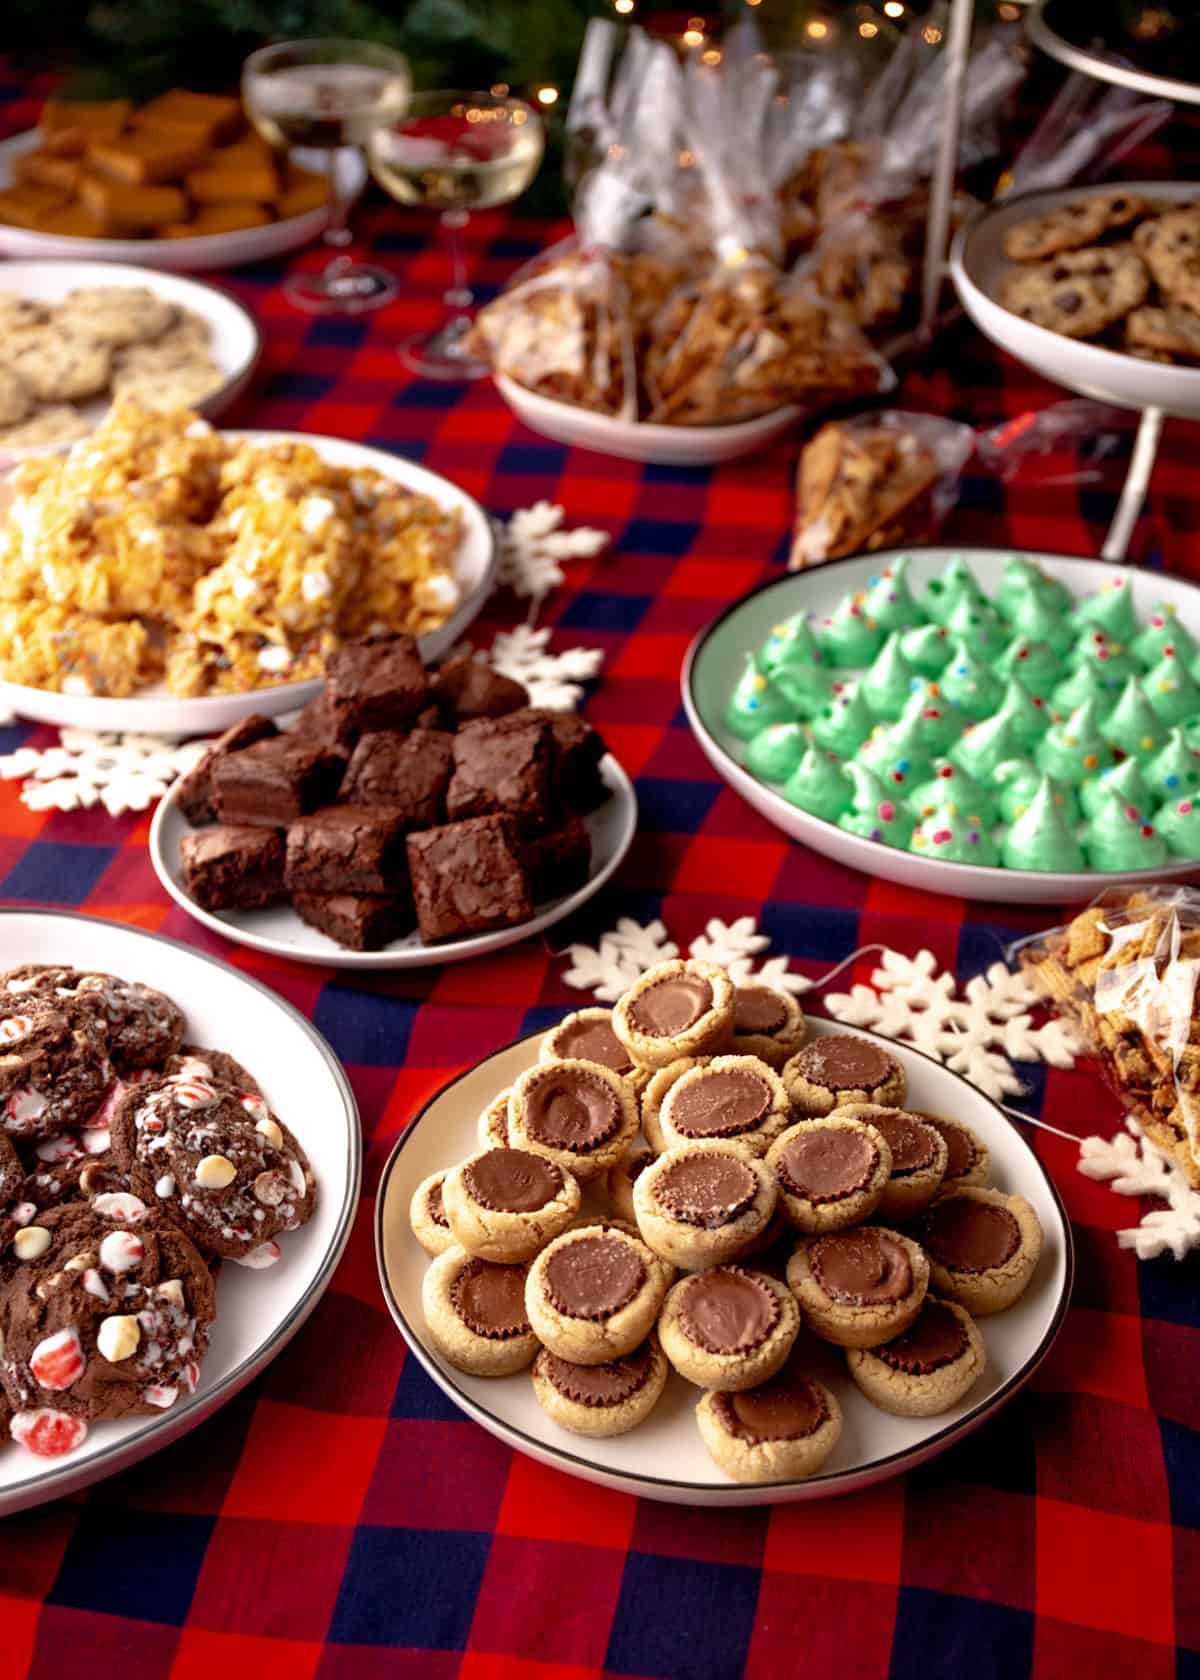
405, 818
170, 1210
701, 1249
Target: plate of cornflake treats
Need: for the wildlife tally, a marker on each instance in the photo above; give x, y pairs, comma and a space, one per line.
228, 565
764, 1261
1011, 726
407, 817
180, 183
180, 1159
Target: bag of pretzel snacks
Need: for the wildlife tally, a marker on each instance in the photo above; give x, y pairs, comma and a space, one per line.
1126, 972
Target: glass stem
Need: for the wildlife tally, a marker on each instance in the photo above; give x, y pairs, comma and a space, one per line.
337, 233
459, 297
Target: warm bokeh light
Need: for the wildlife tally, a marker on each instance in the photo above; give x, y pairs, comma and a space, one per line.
817, 28
712, 56
692, 38
932, 34
1008, 13
623, 6
500, 89
547, 95
893, 8
866, 30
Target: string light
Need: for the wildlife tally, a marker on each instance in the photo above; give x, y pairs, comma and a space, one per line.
893, 8
932, 34
866, 30
817, 28
693, 37
547, 95
754, 2
500, 89
623, 6
712, 56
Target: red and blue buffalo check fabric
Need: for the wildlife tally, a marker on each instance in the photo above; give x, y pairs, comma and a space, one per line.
340, 1518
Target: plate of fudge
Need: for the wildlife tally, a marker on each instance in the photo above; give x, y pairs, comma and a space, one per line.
180, 1159
404, 818
702, 1249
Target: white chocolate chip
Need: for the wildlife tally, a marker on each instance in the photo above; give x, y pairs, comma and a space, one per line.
118, 1337
79, 1263
214, 1172
269, 1189
172, 1291
164, 1186
272, 1133
31, 1242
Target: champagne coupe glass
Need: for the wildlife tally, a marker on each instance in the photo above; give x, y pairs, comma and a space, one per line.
455, 152
328, 94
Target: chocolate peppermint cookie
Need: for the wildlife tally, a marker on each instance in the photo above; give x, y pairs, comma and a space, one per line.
143, 1026
54, 1064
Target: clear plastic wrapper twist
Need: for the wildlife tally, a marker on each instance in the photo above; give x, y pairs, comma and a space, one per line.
1126, 972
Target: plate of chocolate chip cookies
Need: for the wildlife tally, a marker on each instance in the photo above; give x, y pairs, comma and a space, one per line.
406, 817
1096, 287
702, 1249
180, 1159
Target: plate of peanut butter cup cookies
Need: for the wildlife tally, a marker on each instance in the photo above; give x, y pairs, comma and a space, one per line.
703, 1249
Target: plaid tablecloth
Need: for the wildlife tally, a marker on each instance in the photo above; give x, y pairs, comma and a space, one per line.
340, 1518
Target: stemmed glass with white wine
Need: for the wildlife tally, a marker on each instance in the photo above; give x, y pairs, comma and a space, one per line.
455, 152
329, 95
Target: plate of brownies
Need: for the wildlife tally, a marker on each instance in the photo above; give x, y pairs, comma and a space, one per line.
404, 818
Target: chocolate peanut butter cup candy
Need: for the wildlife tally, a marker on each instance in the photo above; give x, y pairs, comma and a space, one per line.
621, 1179
767, 1023
680, 1008
859, 1287
600, 1400
919, 1154
493, 1122
733, 1099
781, 1430
704, 1203
427, 1215
928, 1368
728, 1328
587, 1035
831, 1173
983, 1247
968, 1161
841, 1068
476, 1314
579, 1114
594, 1293
505, 1204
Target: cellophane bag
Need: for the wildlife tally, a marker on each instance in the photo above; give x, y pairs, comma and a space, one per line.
1125, 971
874, 481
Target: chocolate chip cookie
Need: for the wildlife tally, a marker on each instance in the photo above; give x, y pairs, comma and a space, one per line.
1072, 226
1170, 248
1172, 331
1080, 293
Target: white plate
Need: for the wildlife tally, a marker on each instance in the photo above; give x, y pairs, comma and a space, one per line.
234, 344
281, 932
638, 440
664, 1458
210, 250
157, 713
717, 657
979, 267
258, 1312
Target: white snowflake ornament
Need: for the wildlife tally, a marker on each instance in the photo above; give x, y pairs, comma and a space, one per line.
554, 680
1132, 1166
120, 772
533, 546
630, 949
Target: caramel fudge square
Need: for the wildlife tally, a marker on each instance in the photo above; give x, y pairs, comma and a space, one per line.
467, 878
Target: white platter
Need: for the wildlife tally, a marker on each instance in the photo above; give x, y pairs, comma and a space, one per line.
664, 1458
639, 440
157, 713
234, 344
210, 250
280, 931
716, 659
979, 267
258, 1312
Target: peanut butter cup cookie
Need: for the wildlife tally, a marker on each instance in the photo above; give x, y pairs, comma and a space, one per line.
680, 1008
728, 1328
781, 1431
968, 1160
595, 1292
734, 1099
493, 1122
505, 1204
587, 1035
861, 1287
475, 1313
427, 1215
831, 1173
767, 1023
926, 1370
702, 1204
983, 1247
579, 1114
841, 1068
600, 1400
654, 1095
621, 1179
919, 1155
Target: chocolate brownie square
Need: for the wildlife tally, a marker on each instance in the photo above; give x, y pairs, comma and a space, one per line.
503, 771
578, 749
359, 921
467, 688
558, 863
467, 878
193, 794
346, 849
230, 868
408, 772
322, 721
276, 781
378, 682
